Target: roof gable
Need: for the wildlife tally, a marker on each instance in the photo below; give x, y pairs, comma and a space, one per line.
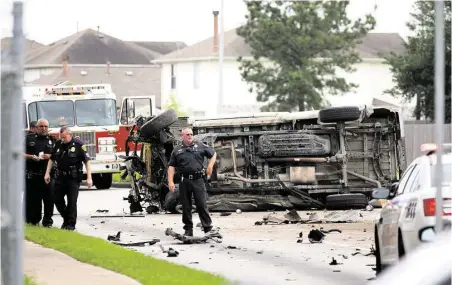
234, 46
91, 47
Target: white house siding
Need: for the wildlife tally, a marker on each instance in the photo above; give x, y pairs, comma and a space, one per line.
33, 73
201, 97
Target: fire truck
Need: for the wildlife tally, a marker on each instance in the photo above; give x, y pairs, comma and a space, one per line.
92, 114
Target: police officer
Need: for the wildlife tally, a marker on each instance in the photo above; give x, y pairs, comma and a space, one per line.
33, 127
187, 160
38, 148
68, 155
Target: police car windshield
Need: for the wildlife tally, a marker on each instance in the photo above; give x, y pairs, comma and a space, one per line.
95, 112
58, 113
447, 174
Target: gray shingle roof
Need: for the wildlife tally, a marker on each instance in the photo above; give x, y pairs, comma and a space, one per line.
92, 47
145, 80
29, 44
162, 47
234, 46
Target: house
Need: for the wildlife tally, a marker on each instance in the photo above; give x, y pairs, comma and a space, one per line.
192, 74
89, 57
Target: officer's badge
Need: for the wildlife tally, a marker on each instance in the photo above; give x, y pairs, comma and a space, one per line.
50, 141
73, 149
32, 143
196, 146
84, 147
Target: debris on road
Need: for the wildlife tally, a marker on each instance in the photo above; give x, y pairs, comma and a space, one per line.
292, 217
316, 236
194, 240
378, 203
138, 243
330, 231
172, 252
334, 261
224, 214
102, 211
119, 216
116, 237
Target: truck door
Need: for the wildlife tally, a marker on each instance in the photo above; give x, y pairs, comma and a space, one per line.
132, 107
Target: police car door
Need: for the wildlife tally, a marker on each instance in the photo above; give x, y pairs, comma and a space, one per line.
389, 222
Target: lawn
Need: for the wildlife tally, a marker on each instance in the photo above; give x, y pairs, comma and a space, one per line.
145, 269
29, 280
117, 178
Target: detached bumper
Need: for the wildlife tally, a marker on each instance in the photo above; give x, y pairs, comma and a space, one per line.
104, 166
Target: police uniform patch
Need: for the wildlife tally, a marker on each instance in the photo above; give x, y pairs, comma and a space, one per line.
84, 147
73, 149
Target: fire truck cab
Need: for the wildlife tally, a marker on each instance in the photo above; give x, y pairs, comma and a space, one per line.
91, 113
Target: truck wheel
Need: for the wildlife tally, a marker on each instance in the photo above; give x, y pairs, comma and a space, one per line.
102, 181
154, 125
346, 201
339, 114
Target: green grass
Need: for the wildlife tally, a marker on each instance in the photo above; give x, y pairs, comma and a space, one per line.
117, 178
29, 280
145, 269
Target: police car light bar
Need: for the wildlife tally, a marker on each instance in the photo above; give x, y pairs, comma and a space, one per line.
428, 147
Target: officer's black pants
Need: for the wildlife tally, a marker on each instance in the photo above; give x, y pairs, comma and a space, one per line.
66, 186
196, 188
38, 192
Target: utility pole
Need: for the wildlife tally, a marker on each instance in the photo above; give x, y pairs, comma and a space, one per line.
439, 109
220, 59
12, 162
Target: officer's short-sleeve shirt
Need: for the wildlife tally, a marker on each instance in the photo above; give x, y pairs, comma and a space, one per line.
71, 153
189, 159
34, 144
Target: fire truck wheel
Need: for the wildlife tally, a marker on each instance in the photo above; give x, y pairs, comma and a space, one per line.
102, 181
154, 125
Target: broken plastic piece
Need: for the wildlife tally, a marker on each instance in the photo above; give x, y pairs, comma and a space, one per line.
172, 252
139, 243
116, 237
215, 236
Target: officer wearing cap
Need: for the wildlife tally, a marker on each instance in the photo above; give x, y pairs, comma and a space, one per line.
68, 156
38, 147
188, 161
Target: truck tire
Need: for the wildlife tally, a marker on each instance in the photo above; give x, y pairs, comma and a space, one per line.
102, 181
154, 125
346, 201
173, 204
339, 114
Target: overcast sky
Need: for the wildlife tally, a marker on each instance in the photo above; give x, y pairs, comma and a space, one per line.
189, 21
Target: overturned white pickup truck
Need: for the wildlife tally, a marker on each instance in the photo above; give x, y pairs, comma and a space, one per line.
330, 158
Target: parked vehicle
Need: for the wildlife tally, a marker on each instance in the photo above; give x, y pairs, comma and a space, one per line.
90, 110
411, 208
268, 161
429, 264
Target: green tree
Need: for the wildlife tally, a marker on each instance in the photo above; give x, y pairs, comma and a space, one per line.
175, 105
414, 71
293, 36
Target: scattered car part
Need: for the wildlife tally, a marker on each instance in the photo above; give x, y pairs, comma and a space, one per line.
116, 237
316, 236
172, 253
216, 237
138, 243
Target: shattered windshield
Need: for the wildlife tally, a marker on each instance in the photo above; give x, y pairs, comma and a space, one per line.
95, 112
58, 113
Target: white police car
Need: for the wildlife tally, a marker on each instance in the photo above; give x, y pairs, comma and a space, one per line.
411, 208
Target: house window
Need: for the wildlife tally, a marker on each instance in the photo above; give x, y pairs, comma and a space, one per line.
196, 76
173, 78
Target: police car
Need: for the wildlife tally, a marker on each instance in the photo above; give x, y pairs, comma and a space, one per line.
412, 207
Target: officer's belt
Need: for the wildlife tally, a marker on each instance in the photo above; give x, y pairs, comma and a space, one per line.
192, 175
63, 172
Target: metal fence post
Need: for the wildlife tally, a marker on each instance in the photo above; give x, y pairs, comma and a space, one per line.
12, 162
439, 107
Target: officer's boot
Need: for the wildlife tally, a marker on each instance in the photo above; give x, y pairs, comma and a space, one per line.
188, 233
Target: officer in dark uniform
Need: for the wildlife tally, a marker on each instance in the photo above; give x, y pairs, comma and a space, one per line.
38, 148
68, 156
33, 127
187, 160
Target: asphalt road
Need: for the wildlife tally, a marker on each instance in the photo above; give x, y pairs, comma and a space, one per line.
267, 254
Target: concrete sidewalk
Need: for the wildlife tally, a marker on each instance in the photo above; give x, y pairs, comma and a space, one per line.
51, 267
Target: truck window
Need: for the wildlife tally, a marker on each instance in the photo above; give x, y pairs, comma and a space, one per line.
58, 113
95, 112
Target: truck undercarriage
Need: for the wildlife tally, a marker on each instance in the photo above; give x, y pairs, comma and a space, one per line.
331, 158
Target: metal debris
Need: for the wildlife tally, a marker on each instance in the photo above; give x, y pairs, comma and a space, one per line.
316, 236
116, 237
330, 231
350, 216
139, 243
224, 214
172, 253
292, 216
102, 211
215, 236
